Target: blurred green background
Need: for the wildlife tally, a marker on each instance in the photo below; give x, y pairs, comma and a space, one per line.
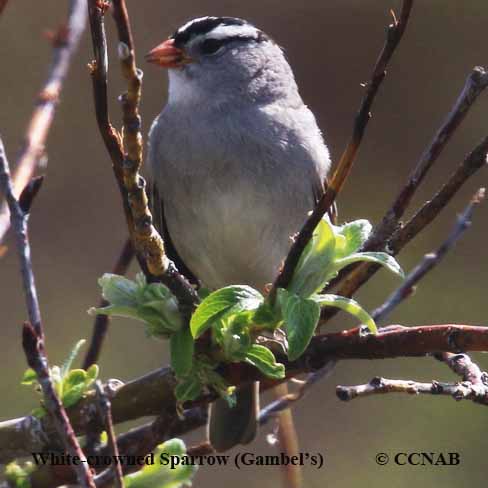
77, 227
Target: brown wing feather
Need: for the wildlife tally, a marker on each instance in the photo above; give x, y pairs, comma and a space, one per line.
157, 207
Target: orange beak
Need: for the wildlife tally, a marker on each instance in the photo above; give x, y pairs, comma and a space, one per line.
167, 55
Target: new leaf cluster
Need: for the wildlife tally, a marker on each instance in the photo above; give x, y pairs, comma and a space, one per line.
235, 316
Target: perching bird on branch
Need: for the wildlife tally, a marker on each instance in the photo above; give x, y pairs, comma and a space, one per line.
237, 160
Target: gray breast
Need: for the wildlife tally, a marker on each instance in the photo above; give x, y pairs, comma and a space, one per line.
236, 188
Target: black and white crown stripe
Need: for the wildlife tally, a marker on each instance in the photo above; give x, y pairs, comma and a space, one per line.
220, 28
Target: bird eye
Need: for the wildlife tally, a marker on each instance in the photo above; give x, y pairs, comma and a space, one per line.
211, 46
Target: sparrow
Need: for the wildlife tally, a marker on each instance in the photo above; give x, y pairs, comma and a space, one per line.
236, 161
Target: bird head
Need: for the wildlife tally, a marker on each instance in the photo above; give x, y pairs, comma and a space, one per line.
222, 55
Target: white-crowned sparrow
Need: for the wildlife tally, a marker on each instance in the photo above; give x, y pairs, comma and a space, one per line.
236, 161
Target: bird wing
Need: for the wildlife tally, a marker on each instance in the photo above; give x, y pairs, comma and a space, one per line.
157, 209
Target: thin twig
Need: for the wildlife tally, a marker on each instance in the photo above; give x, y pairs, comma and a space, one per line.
464, 390
19, 223
394, 34
359, 275
100, 326
147, 242
286, 401
33, 333
138, 441
475, 382
141, 444
475, 84
105, 411
65, 42
287, 440
429, 261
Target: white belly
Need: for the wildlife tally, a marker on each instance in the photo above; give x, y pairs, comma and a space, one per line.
233, 236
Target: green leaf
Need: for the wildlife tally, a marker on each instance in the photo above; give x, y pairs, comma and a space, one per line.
74, 378
381, 258
311, 270
188, 389
231, 299
168, 471
18, 475
155, 291
182, 347
73, 396
301, 316
347, 305
92, 372
161, 317
263, 359
118, 290
38, 412
234, 344
69, 384
75, 384
215, 381
29, 378
116, 310
355, 235
266, 316
153, 304
57, 379
72, 356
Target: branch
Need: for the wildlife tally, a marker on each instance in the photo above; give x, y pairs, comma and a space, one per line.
65, 42
475, 161
359, 275
478, 393
287, 401
105, 412
475, 84
394, 35
19, 222
33, 333
153, 393
287, 438
138, 441
147, 242
430, 260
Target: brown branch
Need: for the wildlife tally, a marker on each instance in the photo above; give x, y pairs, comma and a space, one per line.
142, 440
19, 224
394, 35
475, 161
287, 440
65, 42
359, 275
153, 393
138, 441
430, 261
475, 382
147, 242
105, 412
475, 84
33, 333
100, 327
